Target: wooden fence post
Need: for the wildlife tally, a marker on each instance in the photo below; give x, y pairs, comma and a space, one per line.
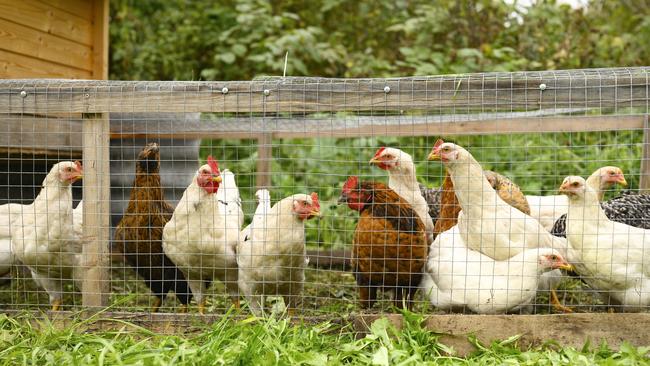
644, 179
96, 209
264, 157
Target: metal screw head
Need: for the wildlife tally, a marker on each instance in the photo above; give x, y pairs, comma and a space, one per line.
542, 86
224, 90
267, 92
387, 89
23, 93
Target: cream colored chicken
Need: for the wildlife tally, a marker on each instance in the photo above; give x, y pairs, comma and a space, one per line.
615, 256
489, 225
202, 235
42, 233
272, 257
402, 180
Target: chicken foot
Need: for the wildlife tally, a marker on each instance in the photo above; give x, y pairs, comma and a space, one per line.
557, 305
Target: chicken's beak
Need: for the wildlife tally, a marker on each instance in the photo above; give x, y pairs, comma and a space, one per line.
342, 199
621, 180
564, 188
314, 213
434, 155
567, 267
374, 160
217, 179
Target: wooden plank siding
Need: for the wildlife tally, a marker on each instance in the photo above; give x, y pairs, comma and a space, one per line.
12, 64
27, 41
81, 8
54, 39
48, 19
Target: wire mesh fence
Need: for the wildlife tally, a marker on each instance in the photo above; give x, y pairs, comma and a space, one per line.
322, 196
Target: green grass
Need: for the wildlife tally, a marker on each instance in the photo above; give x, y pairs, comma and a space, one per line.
252, 341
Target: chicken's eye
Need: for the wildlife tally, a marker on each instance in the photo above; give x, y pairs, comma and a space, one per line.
553, 257
575, 184
304, 203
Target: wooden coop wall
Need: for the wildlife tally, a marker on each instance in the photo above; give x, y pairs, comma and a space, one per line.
54, 39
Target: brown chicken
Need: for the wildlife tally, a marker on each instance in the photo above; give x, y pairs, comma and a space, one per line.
139, 234
389, 247
450, 208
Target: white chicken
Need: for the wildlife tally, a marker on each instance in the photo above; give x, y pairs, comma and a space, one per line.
42, 234
272, 258
202, 235
615, 256
489, 225
402, 180
457, 277
548, 209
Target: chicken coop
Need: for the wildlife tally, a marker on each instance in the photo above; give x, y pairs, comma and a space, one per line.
337, 199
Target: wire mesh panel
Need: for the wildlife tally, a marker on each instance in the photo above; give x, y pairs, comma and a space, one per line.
323, 196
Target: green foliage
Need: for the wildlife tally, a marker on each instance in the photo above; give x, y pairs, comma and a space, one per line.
255, 341
239, 40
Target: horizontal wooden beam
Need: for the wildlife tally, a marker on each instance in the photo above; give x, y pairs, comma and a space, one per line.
36, 133
47, 134
350, 127
603, 89
572, 330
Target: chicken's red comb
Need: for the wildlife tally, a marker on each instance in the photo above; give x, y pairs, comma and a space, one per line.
314, 200
214, 166
381, 149
350, 184
437, 145
79, 166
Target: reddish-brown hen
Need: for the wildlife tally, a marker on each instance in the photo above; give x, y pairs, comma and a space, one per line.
139, 234
389, 247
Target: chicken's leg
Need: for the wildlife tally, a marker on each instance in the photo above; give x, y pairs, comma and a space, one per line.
54, 288
156, 305
557, 305
56, 304
201, 306
367, 296
197, 287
